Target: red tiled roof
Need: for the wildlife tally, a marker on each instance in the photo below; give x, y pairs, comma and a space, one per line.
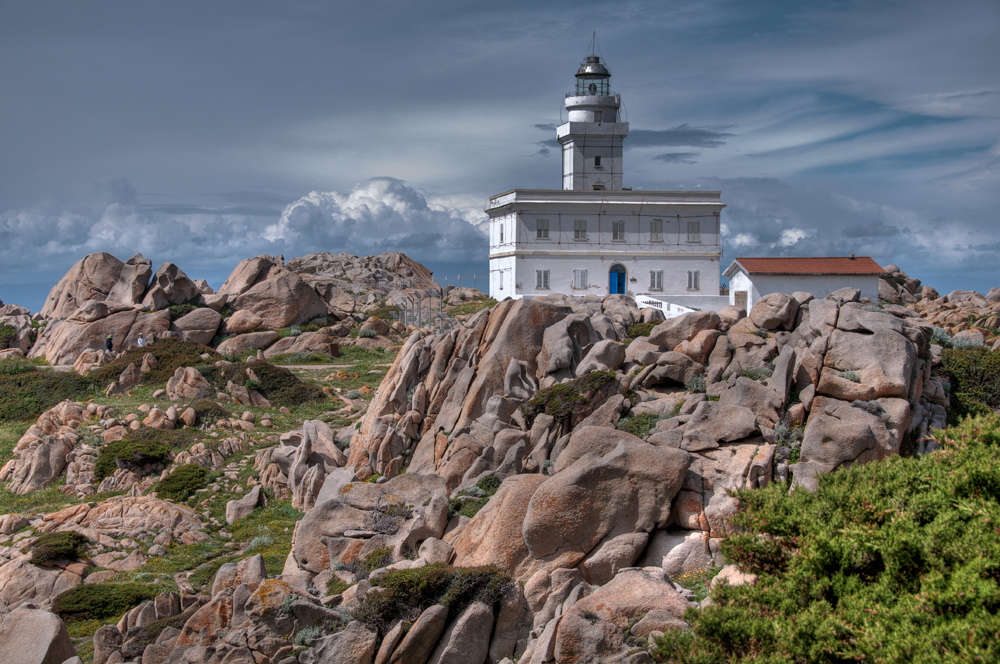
806, 265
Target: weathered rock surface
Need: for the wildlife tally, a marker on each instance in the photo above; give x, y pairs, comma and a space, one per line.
92, 278
34, 637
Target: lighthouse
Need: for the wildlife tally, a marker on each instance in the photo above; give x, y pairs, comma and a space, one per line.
592, 136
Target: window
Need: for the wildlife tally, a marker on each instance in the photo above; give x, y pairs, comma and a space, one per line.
579, 278
542, 229
597, 159
501, 280
541, 279
597, 118
694, 231
618, 231
580, 229
694, 279
656, 230
501, 235
656, 280
598, 187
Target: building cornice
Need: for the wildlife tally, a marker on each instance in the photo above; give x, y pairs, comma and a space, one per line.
612, 254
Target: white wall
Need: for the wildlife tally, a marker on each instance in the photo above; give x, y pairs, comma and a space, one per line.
819, 285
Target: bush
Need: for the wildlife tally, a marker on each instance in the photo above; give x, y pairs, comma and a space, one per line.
307, 634
760, 373
180, 310
7, 334
208, 411
638, 425
640, 330
966, 344
182, 482
354, 394
941, 337
975, 381
474, 499
100, 601
407, 593
561, 400
850, 375
170, 354
894, 561
696, 384
57, 546
367, 333
873, 407
761, 332
25, 396
280, 386
14, 366
131, 452
376, 559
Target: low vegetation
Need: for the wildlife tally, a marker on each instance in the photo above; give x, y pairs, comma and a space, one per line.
280, 386
7, 335
472, 500
182, 482
974, 376
101, 601
896, 561
133, 452
25, 396
14, 366
169, 353
407, 593
49, 547
562, 400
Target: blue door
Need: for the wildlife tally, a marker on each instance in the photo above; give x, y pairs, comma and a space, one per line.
616, 280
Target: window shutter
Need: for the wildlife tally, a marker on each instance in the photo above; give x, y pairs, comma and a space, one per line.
652, 279
690, 279
697, 279
545, 278
538, 279
583, 278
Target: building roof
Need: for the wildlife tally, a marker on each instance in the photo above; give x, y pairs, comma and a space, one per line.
806, 265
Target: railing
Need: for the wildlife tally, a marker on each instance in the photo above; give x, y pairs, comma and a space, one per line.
610, 94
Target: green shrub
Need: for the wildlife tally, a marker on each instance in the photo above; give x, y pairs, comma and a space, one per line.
640, 330
182, 482
376, 559
367, 333
7, 335
941, 337
696, 384
966, 344
872, 407
100, 601
280, 386
307, 634
209, 412
354, 394
335, 586
129, 453
638, 425
14, 366
66, 545
474, 499
170, 354
407, 593
975, 381
180, 310
386, 313
25, 396
891, 561
850, 375
761, 332
759, 373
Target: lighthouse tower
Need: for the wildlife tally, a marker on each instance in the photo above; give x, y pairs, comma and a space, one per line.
592, 137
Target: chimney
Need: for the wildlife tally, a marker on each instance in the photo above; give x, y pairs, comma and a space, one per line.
852, 257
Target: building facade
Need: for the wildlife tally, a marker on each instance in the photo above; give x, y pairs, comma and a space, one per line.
752, 278
596, 237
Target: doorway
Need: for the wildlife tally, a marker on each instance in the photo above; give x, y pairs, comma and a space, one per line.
616, 279
740, 299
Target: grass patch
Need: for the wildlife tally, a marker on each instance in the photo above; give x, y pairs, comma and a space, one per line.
895, 561
697, 582
472, 307
57, 546
100, 601
182, 482
407, 593
25, 396
275, 520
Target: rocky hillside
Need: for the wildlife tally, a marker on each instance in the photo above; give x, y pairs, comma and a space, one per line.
549, 480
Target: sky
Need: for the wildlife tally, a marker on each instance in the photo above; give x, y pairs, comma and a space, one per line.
203, 133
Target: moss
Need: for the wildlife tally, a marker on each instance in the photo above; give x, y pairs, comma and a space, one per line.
169, 353
407, 593
182, 482
100, 601
66, 545
25, 396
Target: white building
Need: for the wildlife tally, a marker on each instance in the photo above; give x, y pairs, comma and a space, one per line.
751, 278
595, 237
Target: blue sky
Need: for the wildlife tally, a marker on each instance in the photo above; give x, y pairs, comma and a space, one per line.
204, 133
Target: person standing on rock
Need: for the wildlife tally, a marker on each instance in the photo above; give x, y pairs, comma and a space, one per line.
141, 341
109, 344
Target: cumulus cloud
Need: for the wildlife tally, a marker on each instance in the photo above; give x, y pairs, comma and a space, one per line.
382, 214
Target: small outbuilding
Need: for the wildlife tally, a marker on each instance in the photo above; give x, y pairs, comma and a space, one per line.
752, 278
